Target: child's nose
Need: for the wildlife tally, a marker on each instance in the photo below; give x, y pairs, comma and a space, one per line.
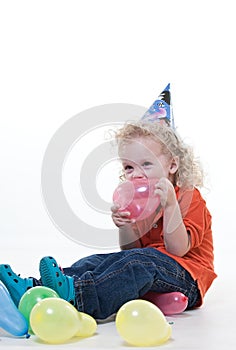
138, 173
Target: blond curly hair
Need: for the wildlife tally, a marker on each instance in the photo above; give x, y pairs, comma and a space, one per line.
190, 172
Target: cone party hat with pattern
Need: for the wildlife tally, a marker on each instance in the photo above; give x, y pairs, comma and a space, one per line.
161, 109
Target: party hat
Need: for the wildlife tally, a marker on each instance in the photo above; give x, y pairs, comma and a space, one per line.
161, 109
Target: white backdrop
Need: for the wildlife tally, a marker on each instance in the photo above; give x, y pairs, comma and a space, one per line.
59, 58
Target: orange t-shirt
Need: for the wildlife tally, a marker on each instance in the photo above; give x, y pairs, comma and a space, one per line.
199, 259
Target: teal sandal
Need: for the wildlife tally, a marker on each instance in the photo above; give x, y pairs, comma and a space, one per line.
16, 285
52, 277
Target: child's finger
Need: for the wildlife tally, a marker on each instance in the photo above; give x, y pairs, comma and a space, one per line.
124, 213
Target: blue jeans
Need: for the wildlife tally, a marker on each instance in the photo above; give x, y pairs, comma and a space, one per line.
104, 282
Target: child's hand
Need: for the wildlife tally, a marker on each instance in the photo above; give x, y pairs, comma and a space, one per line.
165, 190
120, 218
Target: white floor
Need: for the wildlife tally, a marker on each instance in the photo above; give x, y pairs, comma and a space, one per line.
210, 326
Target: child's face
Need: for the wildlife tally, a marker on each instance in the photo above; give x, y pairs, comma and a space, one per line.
143, 158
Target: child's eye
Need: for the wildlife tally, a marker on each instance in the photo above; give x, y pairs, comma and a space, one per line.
128, 168
147, 164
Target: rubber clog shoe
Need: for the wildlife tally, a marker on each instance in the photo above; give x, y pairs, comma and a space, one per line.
16, 285
52, 277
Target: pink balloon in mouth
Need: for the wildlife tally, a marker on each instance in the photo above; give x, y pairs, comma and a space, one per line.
137, 197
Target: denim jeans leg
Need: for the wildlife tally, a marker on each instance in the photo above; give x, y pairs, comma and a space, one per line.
126, 275
88, 263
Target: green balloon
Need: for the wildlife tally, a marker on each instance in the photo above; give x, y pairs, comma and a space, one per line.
31, 297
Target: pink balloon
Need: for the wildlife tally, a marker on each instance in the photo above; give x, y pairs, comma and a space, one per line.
137, 197
168, 303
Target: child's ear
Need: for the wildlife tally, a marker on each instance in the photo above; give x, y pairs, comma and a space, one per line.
174, 165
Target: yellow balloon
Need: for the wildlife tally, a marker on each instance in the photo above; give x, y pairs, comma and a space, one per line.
142, 323
87, 325
54, 320
31, 297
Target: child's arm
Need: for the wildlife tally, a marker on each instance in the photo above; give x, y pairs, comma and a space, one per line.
128, 235
176, 237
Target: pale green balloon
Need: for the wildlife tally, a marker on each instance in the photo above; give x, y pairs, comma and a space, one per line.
54, 320
141, 323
